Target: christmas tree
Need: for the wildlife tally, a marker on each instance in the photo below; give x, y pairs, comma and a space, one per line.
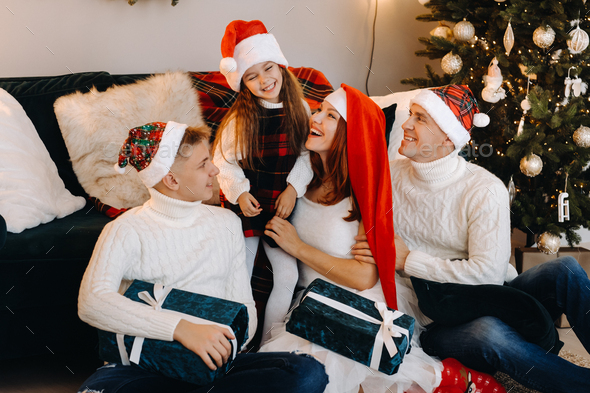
538, 140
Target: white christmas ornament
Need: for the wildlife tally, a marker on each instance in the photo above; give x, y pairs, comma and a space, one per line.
531, 165
578, 41
451, 64
508, 39
582, 136
543, 36
493, 92
442, 31
548, 243
464, 30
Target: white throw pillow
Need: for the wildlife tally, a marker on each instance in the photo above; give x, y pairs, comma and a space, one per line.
95, 125
31, 191
402, 99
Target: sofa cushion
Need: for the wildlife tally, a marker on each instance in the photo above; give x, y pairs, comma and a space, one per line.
37, 95
95, 124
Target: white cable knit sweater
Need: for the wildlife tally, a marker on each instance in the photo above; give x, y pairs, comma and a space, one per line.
232, 180
188, 245
455, 218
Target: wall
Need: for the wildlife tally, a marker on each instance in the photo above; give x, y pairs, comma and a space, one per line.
59, 36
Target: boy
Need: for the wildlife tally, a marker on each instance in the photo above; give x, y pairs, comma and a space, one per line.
175, 240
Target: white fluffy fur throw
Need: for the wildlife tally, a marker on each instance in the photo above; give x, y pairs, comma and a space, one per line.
95, 125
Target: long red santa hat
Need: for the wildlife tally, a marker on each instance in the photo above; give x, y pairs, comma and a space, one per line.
368, 168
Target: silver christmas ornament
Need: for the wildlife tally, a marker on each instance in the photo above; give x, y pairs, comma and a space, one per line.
582, 136
548, 243
451, 64
578, 41
543, 36
464, 30
511, 191
531, 165
442, 31
508, 39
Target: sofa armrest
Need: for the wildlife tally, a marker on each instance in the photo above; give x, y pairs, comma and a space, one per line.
3, 232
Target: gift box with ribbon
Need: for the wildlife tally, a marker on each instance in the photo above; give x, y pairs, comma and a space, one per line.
170, 358
352, 326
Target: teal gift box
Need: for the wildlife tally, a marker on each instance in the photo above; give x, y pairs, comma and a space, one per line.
353, 326
171, 358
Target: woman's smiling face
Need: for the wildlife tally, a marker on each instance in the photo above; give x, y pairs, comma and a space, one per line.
323, 124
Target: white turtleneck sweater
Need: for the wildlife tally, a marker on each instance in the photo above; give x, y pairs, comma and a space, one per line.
455, 218
191, 246
232, 180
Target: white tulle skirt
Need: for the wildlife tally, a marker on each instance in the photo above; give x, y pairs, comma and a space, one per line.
346, 376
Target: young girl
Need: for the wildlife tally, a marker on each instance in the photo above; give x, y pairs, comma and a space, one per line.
259, 150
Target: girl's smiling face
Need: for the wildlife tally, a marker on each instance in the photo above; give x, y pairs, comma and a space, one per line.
264, 80
323, 124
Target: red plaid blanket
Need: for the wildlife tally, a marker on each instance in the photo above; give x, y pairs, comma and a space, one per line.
216, 97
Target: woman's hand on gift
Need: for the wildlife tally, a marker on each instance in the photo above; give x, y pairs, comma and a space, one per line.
286, 202
209, 342
249, 205
285, 234
361, 250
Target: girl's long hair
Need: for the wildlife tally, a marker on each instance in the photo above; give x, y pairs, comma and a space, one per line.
247, 112
336, 172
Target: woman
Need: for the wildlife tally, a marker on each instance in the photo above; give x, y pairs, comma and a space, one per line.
350, 191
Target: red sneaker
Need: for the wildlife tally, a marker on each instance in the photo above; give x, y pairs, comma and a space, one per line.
456, 378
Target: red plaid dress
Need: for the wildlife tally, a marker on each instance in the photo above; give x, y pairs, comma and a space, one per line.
268, 179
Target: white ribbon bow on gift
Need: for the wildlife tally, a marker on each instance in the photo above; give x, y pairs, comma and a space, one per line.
387, 329
160, 293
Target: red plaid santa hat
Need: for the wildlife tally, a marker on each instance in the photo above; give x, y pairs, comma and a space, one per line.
151, 149
454, 109
368, 168
245, 44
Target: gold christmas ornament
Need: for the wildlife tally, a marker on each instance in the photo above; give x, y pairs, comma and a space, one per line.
543, 36
548, 243
508, 39
578, 41
451, 64
531, 165
442, 31
582, 136
464, 30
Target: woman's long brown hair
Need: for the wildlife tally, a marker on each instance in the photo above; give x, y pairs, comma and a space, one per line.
337, 173
247, 111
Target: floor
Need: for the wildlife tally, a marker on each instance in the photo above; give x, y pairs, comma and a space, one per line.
65, 373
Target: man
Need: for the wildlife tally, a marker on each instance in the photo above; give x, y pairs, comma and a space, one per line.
452, 221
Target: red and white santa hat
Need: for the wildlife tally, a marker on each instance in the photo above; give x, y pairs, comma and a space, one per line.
151, 149
245, 44
454, 109
368, 168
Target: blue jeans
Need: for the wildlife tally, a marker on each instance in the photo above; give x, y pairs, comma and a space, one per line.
487, 344
251, 372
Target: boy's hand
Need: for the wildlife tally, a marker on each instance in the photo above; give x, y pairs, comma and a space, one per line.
286, 202
207, 341
401, 253
361, 250
249, 205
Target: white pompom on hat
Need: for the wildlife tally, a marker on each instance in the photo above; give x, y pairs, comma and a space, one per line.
245, 44
455, 111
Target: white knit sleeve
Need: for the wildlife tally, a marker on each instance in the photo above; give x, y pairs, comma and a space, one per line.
238, 285
100, 304
301, 174
489, 245
232, 180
